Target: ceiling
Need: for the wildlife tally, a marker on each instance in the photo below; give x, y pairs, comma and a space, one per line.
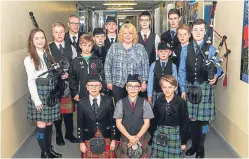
98, 5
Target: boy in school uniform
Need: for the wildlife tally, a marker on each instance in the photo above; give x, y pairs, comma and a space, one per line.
133, 115
82, 66
99, 48
158, 69
111, 32
96, 122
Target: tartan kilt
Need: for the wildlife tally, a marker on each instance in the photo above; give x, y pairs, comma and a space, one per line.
122, 150
107, 154
48, 114
173, 149
205, 110
67, 105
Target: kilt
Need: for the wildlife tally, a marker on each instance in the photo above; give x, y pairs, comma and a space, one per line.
173, 149
48, 114
107, 154
67, 105
205, 110
122, 150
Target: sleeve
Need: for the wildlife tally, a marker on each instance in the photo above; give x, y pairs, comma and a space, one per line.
74, 52
212, 51
151, 80
118, 113
30, 69
148, 114
154, 121
73, 82
108, 65
184, 121
182, 70
174, 73
112, 121
80, 122
101, 69
145, 64
157, 41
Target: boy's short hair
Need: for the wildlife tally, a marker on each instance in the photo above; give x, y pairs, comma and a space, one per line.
86, 38
184, 26
174, 11
199, 22
169, 78
58, 24
145, 13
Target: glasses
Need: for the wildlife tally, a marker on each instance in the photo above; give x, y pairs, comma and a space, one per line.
93, 86
73, 23
144, 20
133, 87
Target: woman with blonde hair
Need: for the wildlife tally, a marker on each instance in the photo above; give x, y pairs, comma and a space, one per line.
123, 58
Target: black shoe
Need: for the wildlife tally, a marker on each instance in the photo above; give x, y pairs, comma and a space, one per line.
200, 153
53, 153
190, 151
60, 141
72, 138
45, 154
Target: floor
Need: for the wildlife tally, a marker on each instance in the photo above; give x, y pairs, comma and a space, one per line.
215, 148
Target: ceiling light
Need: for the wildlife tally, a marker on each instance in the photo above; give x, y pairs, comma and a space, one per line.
119, 8
120, 3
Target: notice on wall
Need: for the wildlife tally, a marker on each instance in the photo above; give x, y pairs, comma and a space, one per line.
244, 47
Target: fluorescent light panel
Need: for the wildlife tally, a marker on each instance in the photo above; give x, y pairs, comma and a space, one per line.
120, 4
119, 8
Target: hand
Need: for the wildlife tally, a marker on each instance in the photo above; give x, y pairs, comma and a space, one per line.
184, 96
144, 87
76, 98
109, 86
150, 100
112, 146
83, 147
183, 147
211, 82
133, 139
64, 76
136, 141
39, 107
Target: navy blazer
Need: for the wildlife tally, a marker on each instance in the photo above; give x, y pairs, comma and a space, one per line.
67, 39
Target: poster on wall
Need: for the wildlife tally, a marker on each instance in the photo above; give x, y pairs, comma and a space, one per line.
244, 48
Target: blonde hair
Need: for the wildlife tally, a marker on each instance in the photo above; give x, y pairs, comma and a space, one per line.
169, 78
132, 29
58, 24
184, 26
86, 38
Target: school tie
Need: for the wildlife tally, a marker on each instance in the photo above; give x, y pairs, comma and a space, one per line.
61, 49
112, 40
132, 105
145, 38
100, 50
172, 34
74, 41
95, 106
163, 65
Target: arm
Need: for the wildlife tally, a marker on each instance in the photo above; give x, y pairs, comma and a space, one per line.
144, 128
174, 73
150, 80
182, 70
154, 121
122, 129
73, 82
30, 70
112, 121
184, 120
212, 51
80, 122
108, 65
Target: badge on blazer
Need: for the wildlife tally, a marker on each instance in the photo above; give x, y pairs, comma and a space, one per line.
81, 64
93, 66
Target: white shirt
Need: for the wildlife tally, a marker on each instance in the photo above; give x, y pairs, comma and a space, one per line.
71, 37
33, 75
63, 45
157, 40
98, 99
110, 38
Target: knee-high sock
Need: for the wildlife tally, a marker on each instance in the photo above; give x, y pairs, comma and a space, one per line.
68, 120
49, 136
57, 125
195, 134
204, 131
41, 137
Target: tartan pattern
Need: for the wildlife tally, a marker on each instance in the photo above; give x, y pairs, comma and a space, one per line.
205, 110
48, 114
107, 154
122, 149
173, 149
67, 105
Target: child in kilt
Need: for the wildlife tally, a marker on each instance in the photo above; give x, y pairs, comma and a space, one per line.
133, 115
95, 120
37, 62
194, 77
171, 119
